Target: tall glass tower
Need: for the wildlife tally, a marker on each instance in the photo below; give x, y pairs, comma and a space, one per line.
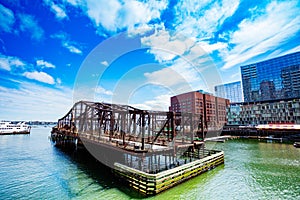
277, 78
231, 91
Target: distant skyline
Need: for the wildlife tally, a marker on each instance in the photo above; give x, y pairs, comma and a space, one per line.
46, 50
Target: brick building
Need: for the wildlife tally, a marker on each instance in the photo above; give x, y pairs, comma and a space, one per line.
213, 109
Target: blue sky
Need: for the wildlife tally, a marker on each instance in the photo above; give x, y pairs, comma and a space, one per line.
54, 53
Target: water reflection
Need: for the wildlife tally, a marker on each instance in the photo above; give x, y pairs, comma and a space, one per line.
31, 168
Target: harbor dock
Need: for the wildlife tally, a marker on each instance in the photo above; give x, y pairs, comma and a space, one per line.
150, 151
267, 132
154, 183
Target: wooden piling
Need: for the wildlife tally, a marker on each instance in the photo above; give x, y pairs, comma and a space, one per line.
151, 184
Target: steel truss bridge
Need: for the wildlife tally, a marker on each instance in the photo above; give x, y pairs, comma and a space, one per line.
129, 128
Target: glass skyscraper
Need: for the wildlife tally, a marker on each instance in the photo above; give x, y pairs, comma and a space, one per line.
277, 78
231, 91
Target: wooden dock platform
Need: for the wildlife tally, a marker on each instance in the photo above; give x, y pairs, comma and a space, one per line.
149, 150
152, 184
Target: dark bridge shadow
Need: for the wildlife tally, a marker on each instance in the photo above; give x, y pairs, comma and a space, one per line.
100, 173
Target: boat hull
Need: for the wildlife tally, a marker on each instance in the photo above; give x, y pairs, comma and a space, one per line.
15, 133
8, 128
297, 145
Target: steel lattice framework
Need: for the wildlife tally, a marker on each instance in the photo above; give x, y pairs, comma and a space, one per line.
130, 127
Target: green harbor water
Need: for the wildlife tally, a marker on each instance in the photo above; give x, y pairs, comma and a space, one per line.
32, 168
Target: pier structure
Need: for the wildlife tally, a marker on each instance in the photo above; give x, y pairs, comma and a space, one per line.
149, 150
276, 132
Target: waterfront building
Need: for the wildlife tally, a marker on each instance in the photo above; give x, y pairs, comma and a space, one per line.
231, 91
265, 112
212, 108
277, 78
291, 81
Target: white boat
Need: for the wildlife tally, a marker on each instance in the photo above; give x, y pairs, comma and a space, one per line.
10, 128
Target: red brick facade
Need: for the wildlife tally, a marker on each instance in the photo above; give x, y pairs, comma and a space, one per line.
212, 108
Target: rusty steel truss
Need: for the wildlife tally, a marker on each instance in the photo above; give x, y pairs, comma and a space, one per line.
130, 128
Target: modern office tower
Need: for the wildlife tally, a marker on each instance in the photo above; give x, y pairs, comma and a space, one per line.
277, 78
231, 91
213, 109
291, 81
265, 112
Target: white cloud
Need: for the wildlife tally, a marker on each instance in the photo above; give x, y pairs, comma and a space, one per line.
43, 63
76, 2
18, 67
186, 60
141, 29
115, 15
202, 19
72, 48
10, 62
172, 76
166, 47
295, 49
141, 106
181, 76
100, 90
67, 43
263, 33
29, 24
16, 62
4, 64
34, 102
235, 75
60, 35
58, 81
7, 19
40, 76
57, 9
166, 76
104, 13
209, 48
91, 93
159, 103
105, 63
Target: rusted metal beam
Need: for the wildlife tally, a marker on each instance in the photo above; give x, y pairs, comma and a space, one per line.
126, 123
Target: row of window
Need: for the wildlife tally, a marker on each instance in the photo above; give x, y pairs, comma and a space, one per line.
274, 72
267, 107
7, 128
211, 112
210, 105
222, 113
267, 118
221, 107
259, 122
213, 118
199, 103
